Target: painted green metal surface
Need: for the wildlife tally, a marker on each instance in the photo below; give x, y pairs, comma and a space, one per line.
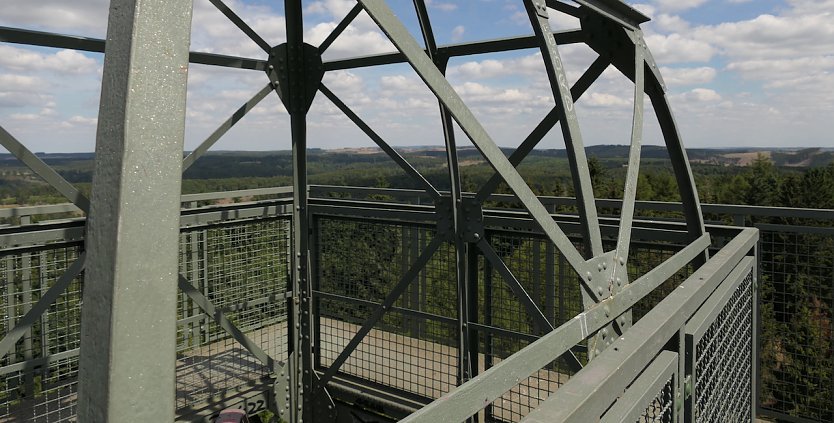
127, 359
131, 268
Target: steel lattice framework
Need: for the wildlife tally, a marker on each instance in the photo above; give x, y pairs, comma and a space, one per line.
127, 356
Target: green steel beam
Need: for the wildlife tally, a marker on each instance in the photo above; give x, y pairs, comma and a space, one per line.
550, 120
615, 10
96, 45
128, 336
680, 160
225, 127
630, 407
469, 398
566, 109
25, 323
68, 190
438, 84
463, 271
572, 36
587, 395
393, 154
630, 189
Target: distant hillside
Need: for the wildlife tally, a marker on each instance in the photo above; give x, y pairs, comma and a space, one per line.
78, 167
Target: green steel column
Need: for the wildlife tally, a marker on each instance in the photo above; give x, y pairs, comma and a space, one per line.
128, 340
302, 294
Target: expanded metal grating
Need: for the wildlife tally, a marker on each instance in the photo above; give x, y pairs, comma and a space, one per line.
722, 387
242, 269
38, 379
661, 409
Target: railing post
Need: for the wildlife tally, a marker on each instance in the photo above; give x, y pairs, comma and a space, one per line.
128, 336
26, 290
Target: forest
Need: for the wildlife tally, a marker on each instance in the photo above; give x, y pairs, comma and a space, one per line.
797, 268
771, 178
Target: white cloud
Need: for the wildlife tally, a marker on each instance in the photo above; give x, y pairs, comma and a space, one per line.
443, 6
688, 76
597, 99
700, 95
769, 36
82, 17
677, 48
671, 23
678, 5
492, 68
62, 61
457, 32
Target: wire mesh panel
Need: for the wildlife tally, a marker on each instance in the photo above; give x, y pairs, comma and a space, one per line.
720, 349
413, 348
38, 377
645, 256
651, 396
555, 289
242, 269
796, 315
661, 408
552, 285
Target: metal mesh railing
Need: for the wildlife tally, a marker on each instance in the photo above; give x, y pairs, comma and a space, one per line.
38, 377
555, 289
242, 269
552, 285
722, 386
661, 410
797, 322
414, 346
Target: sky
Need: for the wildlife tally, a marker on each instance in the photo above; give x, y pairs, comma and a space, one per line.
740, 73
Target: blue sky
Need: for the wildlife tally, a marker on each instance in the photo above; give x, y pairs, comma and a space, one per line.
740, 73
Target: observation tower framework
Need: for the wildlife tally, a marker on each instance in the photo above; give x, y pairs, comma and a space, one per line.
688, 358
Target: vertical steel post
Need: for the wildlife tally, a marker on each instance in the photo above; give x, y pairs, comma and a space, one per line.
462, 272
128, 337
26, 291
300, 252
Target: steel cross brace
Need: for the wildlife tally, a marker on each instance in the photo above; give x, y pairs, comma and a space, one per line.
25, 323
437, 83
464, 275
44, 170
280, 370
225, 127
470, 397
547, 123
383, 308
566, 110
393, 154
611, 35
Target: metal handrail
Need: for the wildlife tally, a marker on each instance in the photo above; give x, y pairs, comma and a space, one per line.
421, 197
